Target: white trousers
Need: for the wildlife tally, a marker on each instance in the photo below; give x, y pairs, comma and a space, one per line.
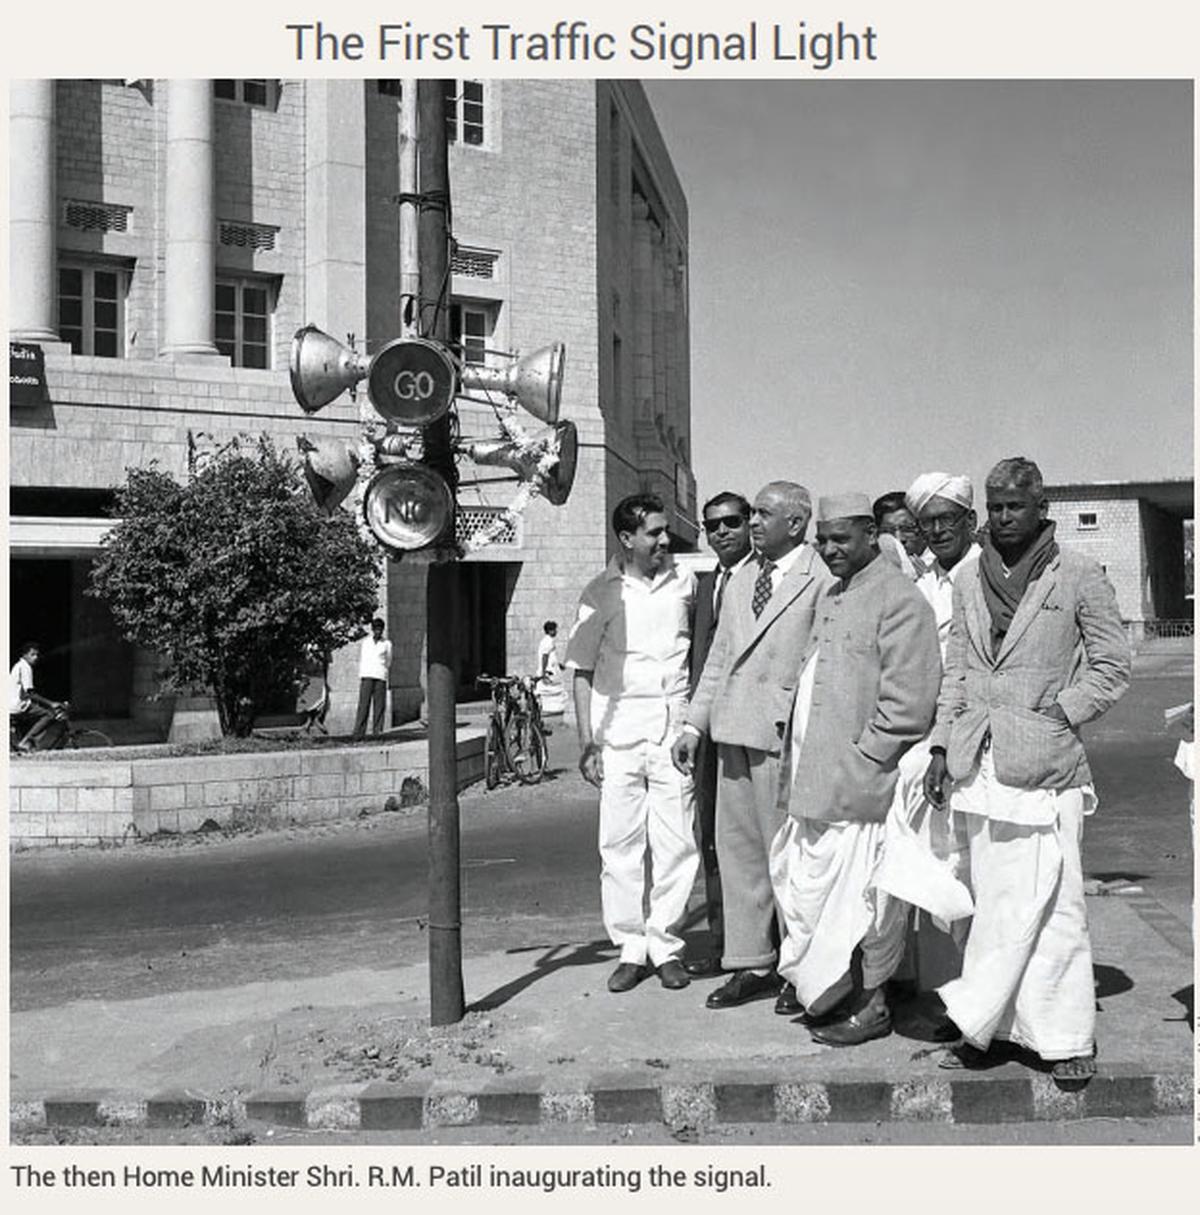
1027, 970
823, 875
645, 802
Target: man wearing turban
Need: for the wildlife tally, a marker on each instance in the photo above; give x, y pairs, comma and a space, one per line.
927, 862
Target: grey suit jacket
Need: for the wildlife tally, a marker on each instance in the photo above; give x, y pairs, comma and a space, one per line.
745, 692
1066, 646
874, 690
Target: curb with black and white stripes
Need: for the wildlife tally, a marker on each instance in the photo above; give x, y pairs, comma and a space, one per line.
964, 1100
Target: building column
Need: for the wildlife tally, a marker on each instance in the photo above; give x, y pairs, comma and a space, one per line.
642, 315
658, 323
191, 220
335, 208
32, 220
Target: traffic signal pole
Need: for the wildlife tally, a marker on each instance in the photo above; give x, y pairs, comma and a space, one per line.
445, 910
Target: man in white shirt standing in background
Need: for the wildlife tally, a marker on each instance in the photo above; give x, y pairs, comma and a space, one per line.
629, 651
374, 663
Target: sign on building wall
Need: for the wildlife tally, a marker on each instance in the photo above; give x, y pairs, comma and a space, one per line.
26, 375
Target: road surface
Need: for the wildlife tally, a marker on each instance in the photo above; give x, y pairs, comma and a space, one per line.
206, 913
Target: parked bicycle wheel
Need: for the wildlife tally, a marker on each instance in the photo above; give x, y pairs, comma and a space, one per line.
493, 756
527, 750
77, 740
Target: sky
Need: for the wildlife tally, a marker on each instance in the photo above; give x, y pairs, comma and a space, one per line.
892, 277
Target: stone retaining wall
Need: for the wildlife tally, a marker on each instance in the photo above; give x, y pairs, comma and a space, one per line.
114, 800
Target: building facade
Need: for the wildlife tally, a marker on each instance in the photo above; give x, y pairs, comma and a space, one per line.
1141, 533
169, 237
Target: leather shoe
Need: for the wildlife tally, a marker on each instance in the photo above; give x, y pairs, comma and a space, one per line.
788, 1004
853, 1030
743, 987
673, 975
626, 977
703, 968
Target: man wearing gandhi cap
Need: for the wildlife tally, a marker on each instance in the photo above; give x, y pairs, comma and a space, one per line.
941, 504
867, 689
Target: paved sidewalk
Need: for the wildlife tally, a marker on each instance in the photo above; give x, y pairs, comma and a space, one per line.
544, 1042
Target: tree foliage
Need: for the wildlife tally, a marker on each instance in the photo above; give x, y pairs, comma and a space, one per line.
235, 577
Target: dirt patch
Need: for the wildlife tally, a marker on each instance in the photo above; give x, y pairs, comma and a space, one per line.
406, 1048
311, 1047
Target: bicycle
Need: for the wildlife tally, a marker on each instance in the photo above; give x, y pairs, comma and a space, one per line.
60, 735
516, 739
528, 743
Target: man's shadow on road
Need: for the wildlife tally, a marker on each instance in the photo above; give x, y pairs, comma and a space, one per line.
554, 957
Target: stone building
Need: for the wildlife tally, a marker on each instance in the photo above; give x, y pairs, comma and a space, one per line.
1140, 532
169, 237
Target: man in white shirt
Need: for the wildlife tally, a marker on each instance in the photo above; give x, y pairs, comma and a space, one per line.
550, 691
24, 703
374, 662
629, 651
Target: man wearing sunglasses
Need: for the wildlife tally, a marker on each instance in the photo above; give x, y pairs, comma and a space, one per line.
900, 539
743, 702
726, 518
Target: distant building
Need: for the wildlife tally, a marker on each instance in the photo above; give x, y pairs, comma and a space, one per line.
1140, 532
168, 238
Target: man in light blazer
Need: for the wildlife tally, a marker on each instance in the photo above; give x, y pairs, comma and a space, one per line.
1036, 649
743, 702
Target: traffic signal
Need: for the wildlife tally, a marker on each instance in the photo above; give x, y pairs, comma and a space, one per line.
412, 383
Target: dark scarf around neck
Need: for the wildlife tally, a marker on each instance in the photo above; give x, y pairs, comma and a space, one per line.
1003, 593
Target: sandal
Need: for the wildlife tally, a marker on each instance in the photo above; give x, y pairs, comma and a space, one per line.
1074, 1073
962, 1056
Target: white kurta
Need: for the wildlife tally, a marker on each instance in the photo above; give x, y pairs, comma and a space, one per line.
823, 874
1027, 970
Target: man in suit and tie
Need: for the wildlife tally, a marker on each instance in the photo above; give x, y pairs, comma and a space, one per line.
743, 702
726, 518
1036, 649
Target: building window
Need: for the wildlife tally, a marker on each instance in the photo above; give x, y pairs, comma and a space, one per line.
471, 329
463, 101
390, 88
91, 309
243, 321
248, 92
1088, 520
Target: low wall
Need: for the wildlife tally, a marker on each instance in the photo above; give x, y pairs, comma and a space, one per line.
115, 800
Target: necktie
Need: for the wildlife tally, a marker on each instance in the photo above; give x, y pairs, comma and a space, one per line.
722, 582
762, 588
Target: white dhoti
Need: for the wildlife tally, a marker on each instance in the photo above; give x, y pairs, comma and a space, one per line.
823, 874
645, 801
927, 864
1027, 969
824, 881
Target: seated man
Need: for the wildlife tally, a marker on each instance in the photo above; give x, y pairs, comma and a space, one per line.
26, 706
